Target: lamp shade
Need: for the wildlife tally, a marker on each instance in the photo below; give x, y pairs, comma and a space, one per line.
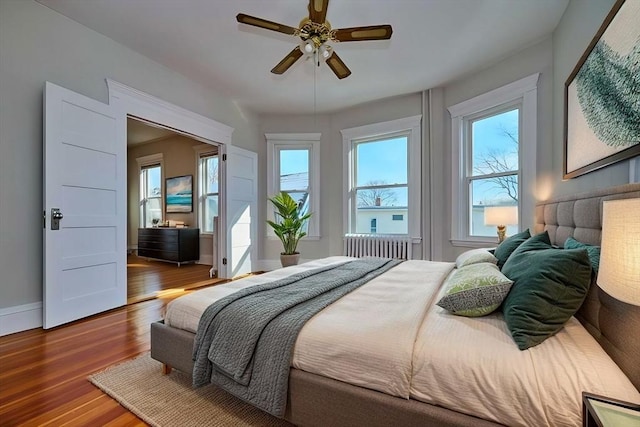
500, 215
619, 273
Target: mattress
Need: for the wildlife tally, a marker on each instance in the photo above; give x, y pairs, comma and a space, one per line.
389, 336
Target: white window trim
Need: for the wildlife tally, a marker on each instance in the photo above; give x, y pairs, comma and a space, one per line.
352, 135
150, 160
199, 150
310, 141
525, 90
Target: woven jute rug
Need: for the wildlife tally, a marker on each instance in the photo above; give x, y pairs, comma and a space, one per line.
168, 400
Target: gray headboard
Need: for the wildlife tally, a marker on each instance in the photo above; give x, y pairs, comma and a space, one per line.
615, 324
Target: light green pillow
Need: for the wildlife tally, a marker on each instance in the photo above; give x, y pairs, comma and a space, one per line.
475, 256
475, 290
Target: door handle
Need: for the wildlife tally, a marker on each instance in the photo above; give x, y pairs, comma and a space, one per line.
56, 216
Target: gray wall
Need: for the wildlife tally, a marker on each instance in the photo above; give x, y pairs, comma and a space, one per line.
38, 45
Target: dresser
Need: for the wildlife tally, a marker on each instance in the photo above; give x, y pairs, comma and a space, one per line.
169, 244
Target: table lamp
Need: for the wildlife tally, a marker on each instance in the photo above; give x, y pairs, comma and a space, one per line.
501, 216
619, 272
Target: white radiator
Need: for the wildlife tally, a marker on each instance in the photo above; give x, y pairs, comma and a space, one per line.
378, 245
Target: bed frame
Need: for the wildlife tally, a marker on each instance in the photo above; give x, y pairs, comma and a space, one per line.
319, 401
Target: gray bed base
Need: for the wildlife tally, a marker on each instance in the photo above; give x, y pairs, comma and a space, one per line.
318, 401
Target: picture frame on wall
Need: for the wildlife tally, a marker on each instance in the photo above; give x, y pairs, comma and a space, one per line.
602, 96
179, 194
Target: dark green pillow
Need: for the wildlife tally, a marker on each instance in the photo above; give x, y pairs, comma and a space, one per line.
549, 286
592, 251
509, 245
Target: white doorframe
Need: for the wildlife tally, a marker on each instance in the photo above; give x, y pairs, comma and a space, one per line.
129, 101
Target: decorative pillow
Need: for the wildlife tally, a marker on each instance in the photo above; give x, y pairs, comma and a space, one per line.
509, 245
475, 290
549, 286
474, 256
592, 251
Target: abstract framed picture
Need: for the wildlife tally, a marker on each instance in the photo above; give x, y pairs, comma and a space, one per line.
179, 197
602, 96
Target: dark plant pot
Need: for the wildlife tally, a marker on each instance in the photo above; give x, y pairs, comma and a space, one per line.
287, 260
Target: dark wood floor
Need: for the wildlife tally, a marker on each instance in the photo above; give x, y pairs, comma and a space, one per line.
147, 279
43, 373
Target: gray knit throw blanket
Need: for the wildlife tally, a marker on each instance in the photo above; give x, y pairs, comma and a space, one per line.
244, 342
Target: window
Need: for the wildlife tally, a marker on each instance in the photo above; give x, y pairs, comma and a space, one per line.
494, 160
208, 190
382, 176
150, 195
293, 166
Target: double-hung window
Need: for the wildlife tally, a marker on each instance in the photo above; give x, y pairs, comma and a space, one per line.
150, 195
494, 162
382, 178
293, 162
208, 189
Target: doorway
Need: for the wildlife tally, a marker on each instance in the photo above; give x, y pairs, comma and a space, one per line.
158, 159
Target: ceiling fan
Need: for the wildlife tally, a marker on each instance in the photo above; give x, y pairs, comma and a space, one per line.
315, 32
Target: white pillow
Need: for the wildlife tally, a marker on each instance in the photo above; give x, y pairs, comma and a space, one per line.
475, 256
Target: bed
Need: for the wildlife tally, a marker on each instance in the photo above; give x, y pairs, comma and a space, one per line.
347, 377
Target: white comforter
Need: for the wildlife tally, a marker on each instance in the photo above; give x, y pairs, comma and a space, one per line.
389, 336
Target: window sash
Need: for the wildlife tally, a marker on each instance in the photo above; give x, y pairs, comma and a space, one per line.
206, 222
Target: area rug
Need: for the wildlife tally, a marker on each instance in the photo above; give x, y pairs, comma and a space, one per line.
168, 400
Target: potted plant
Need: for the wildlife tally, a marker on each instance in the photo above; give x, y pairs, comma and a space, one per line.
288, 226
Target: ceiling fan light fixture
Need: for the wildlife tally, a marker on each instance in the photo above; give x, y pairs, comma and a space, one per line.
325, 51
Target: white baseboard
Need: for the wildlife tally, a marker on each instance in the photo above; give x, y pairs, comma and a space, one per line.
20, 318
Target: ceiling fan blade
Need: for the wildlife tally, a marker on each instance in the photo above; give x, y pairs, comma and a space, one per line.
287, 61
318, 10
263, 23
337, 66
373, 32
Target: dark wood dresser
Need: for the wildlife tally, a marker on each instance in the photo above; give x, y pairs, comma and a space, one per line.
169, 244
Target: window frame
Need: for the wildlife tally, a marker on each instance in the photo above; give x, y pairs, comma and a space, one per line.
295, 141
146, 162
409, 127
203, 153
521, 93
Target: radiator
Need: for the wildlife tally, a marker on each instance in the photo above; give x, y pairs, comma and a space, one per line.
378, 245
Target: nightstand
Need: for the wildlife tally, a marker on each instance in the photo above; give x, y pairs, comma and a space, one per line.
600, 411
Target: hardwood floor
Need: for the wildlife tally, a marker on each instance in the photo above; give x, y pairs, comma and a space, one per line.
147, 279
43, 374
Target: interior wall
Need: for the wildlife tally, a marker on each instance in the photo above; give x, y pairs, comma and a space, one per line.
38, 45
178, 158
576, 29
331, 165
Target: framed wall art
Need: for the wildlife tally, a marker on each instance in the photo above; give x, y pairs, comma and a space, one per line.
179, 197
602, 96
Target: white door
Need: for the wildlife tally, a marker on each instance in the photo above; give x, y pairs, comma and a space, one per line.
85, 178
241, 171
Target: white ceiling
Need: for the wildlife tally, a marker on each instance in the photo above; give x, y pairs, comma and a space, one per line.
433, 42
140, 132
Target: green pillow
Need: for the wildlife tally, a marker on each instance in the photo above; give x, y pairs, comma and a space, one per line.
509, 245
475, 290
592, 251
549, 286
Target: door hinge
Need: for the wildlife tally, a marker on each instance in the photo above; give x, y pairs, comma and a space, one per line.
224, 261
224, 157
44, 219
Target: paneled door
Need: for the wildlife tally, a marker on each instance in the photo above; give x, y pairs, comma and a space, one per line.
241, 170
84, 259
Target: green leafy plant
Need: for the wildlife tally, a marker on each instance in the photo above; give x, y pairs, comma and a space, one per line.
289, 222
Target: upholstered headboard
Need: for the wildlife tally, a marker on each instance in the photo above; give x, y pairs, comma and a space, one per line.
614, 324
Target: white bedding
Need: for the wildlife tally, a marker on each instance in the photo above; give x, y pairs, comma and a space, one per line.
389, 336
